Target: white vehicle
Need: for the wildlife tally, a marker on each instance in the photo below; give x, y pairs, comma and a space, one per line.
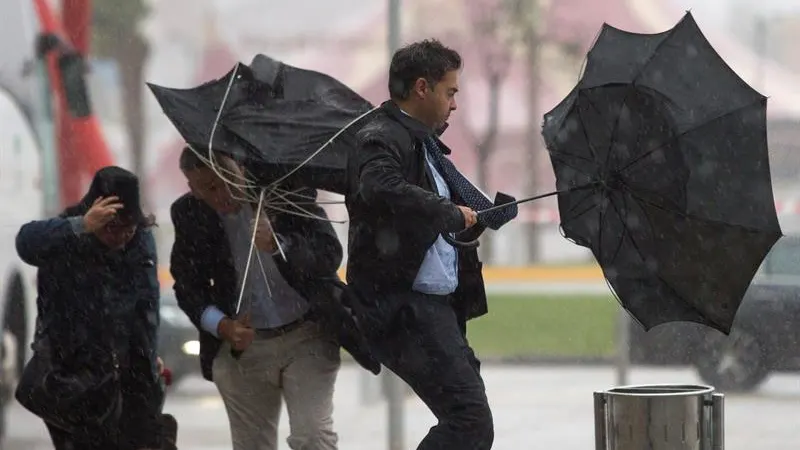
26, 192
22, 200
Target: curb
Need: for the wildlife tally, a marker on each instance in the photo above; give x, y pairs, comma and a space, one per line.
537, 274
499, 275
532, 360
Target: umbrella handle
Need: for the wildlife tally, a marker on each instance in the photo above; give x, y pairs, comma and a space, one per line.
461, 244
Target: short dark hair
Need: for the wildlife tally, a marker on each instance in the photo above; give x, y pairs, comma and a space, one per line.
428, 59
190, 160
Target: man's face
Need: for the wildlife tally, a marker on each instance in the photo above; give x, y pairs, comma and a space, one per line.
210, 188
440, 99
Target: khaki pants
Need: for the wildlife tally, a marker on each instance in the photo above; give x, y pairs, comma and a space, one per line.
299, 367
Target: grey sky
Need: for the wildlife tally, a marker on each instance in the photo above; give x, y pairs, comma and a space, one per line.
718, 11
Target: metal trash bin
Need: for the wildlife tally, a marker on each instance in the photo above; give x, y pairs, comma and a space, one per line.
659, 417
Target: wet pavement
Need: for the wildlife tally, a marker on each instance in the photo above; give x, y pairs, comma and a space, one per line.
534, 408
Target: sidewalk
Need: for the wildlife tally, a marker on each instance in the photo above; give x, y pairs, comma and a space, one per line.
548, 408
534, 408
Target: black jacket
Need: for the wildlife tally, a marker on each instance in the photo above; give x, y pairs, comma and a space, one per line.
204, 273
90, 300
396, 213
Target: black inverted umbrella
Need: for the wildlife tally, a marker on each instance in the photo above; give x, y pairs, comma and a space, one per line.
295, 139
661, 163
194, 111
282, 122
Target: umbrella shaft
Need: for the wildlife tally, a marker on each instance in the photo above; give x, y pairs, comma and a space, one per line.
536, 197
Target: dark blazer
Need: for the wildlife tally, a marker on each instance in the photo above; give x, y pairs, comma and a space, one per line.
204, 273
396, 213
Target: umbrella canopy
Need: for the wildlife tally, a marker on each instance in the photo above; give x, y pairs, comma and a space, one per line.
280, 121
661, 161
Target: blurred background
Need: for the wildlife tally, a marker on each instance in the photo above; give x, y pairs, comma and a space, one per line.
521, 59
554, 333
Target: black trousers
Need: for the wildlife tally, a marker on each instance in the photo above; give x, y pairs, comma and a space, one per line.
139, 424
420, 338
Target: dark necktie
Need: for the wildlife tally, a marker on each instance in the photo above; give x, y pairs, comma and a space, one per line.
468, 193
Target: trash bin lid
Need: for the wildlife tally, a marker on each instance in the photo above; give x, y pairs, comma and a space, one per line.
661, 390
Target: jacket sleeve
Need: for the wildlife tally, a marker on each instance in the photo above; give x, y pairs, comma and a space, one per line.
152, 306
381, 181
41, 240
189, 283
311, 246
148, 307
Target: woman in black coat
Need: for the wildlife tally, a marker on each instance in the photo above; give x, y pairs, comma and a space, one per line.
98, 314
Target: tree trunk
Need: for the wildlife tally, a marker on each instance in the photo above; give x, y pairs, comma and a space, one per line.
485, 148
485, 249
533, 133
131, 61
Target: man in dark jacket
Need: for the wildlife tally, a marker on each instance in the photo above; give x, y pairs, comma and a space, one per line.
407, 203
284, 344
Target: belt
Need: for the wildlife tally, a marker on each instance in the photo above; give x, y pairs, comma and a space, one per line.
269, 333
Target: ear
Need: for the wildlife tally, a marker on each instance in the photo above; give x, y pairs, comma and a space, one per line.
421, 88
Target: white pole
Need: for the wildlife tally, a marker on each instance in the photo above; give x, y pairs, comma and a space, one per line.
395, 390
623, 347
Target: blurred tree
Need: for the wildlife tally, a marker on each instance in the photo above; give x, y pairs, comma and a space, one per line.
117, 36
525, 26
489, 21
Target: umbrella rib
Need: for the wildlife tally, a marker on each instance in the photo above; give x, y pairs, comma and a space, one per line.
307, 203
616, 253
580, 214
559, 152
214, 126
219, 170
678, 136
658, 276
653, 55
278, 192
626, 231
275, 194
594, 107
308, 197
632, 87
295, 192
601, 219
686, 215
586, 136
579, 202
325, 145
560, 156
250, 254
278, 195
302, 213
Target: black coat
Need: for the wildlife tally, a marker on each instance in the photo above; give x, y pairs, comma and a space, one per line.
92, 303
396, 214
204, 273
91, 300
